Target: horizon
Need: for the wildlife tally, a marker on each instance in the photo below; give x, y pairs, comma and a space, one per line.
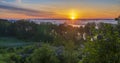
57, 9
58, 19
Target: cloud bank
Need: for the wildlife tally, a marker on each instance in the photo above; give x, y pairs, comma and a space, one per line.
20, 10
18, 1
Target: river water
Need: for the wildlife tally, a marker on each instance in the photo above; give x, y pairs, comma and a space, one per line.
74, 22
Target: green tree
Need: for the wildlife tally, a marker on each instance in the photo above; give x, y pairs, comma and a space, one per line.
4, 27
106, 50
45, 54
43, 32
70, 54
25, 29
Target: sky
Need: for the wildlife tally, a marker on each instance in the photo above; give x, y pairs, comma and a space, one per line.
88, 9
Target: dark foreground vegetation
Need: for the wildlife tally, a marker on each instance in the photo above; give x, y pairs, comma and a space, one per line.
50, 43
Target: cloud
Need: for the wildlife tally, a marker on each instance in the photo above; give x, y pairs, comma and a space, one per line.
26, 11
18, 1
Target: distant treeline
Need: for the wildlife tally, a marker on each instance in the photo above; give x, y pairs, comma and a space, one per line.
48, 32
26, 30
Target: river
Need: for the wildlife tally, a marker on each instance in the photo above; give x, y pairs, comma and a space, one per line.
81, 22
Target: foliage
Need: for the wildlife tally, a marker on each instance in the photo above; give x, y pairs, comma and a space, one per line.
58, 43
44, 54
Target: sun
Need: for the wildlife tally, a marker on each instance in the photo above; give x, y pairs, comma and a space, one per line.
73, 15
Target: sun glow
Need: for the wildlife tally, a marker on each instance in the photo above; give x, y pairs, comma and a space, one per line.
73, 15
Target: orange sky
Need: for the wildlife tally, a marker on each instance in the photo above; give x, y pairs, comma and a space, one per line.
89, 9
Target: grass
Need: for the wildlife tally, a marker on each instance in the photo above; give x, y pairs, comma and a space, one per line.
12, 42
4, 57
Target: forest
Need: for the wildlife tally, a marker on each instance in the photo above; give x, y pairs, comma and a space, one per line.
24, 41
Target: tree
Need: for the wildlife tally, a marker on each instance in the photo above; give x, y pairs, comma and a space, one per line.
106, 50
25, 29
4, 27
43, 32
70, 55
44, 54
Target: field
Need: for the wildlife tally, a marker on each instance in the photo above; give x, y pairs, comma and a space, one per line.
12, 42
